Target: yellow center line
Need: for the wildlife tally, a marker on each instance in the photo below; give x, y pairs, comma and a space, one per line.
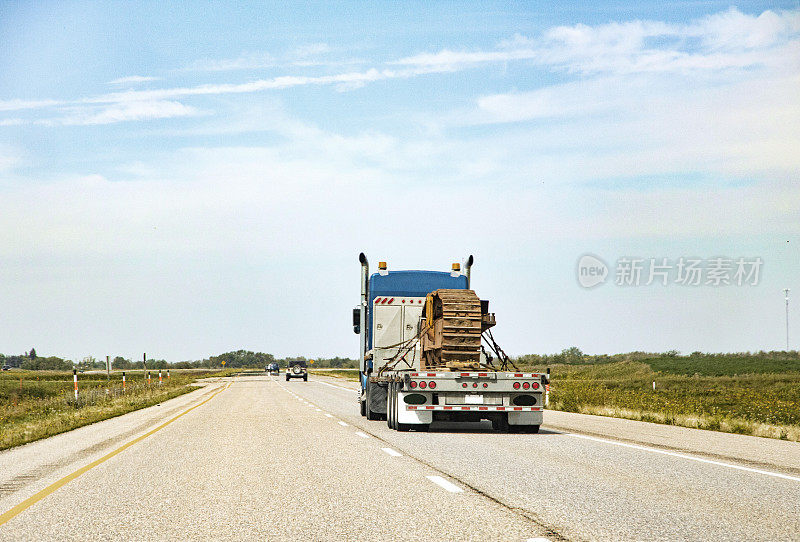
30, 501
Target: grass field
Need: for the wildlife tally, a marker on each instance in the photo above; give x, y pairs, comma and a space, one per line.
748, 394
39, 404
347, 374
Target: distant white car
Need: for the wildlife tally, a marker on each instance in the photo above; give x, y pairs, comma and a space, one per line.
297, 369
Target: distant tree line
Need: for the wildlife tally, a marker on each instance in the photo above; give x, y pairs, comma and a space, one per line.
237, 360
574, 355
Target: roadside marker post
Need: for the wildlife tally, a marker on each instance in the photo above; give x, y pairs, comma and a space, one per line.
159, 377
75, 381
654, 385
123, 380
167, 375
547, 389
148, 378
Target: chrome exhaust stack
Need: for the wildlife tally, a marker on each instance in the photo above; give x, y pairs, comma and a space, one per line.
363, 318
467, 267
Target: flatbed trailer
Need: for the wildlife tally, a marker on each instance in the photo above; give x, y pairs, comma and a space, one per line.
396, 385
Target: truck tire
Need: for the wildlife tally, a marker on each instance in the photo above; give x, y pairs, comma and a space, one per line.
368, 412
287, 377
362, 406
389, 419
391, 406
305, 378
501, 423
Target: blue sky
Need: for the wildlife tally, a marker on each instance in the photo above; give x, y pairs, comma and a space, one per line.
186, 179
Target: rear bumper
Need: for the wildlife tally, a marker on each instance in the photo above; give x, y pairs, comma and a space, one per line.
459, 408
423, 414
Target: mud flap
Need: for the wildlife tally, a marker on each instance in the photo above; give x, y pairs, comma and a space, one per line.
376, 397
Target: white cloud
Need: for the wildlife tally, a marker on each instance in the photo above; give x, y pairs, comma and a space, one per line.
16, 105
727, 40
132, 80
122, 112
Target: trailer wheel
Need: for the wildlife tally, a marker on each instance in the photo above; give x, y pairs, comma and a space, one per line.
390, 397
501, 423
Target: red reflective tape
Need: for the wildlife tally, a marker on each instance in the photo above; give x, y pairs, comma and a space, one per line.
501, 408
392, 299
430, 407
483, 374
464, 408
483, 408
448, 408
464, 374
411, 408
431, 374
518, 374
517, 408
414, 374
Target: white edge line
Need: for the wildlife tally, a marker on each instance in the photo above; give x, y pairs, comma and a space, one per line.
334, 386
343, 424
391, 452
362, 435
690, 457
446, 484
329, 415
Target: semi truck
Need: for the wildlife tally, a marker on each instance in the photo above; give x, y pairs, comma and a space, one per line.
423, 358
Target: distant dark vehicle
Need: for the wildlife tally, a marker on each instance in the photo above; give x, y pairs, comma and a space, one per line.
296, 369
6, 367
273, 369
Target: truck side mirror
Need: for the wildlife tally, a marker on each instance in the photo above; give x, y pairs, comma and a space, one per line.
357, 320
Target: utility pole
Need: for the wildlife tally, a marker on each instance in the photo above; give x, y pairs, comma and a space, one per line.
108, 368
786, 293
144, 364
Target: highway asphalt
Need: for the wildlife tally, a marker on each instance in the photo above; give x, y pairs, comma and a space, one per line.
256, 457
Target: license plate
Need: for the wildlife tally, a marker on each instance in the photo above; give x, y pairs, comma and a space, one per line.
473, 399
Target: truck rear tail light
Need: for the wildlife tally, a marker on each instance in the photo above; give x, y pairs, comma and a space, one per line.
464, 385
423, 385
525, 385
431, 384
485, 385
475, 385
412, 384
535, 385
516, 385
